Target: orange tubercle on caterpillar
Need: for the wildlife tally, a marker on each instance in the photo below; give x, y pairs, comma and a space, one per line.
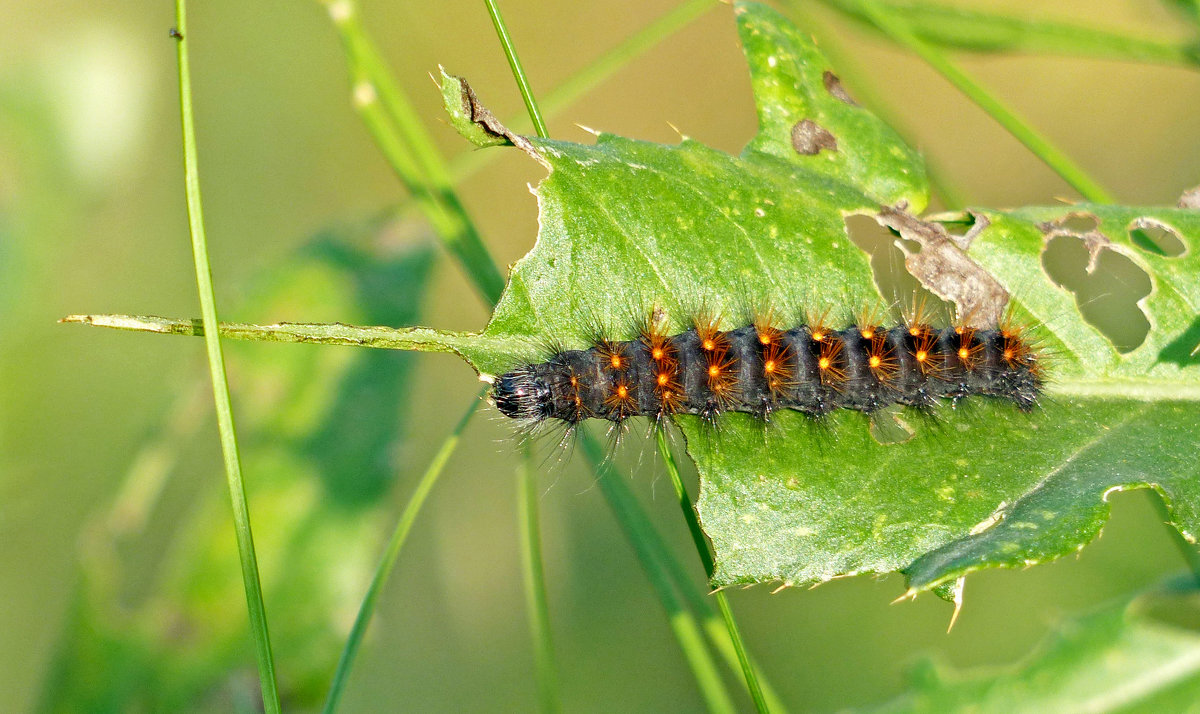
829, 364
709, 334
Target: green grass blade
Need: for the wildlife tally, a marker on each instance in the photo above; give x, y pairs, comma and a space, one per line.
390, 555
514, 63
985, 31
536, 604
397, 130
655, 560
888, 21
216, 362
689, 515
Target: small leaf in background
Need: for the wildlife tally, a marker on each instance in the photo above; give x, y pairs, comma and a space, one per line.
321, 427
1122, 658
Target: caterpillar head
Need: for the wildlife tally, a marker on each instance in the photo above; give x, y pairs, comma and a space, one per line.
522, 394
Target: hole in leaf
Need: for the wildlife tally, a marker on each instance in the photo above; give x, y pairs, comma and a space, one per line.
1156, 237
897, 286
1107, 297
958, 226
1077, 223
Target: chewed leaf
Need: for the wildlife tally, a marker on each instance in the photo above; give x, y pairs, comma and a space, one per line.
628, 226
475, 122
1128, 418
1012, 247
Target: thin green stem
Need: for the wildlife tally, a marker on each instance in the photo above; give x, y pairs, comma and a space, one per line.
689, 515
514, 63
390, 555
536, 604
225, 427
975, 30
655, 560
887, 21
396, 128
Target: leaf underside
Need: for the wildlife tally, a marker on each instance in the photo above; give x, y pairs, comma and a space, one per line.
629, 226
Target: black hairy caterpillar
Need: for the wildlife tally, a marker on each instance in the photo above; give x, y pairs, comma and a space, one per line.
759, 368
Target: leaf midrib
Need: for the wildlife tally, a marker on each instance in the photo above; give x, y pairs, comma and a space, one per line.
1145, 390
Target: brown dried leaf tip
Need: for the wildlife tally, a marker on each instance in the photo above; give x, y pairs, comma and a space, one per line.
943, 266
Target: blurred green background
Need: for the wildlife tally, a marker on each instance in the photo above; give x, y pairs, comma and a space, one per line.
118, 574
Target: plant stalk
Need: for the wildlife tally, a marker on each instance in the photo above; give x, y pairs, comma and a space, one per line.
514, 63
689, 515
407, 517
536, 604
216, 361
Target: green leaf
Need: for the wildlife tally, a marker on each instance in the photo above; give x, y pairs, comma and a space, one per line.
1121, 658
986, 486
1123, 419
627, 225
797, 94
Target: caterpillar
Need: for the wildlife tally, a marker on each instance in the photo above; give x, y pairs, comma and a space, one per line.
759, 368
